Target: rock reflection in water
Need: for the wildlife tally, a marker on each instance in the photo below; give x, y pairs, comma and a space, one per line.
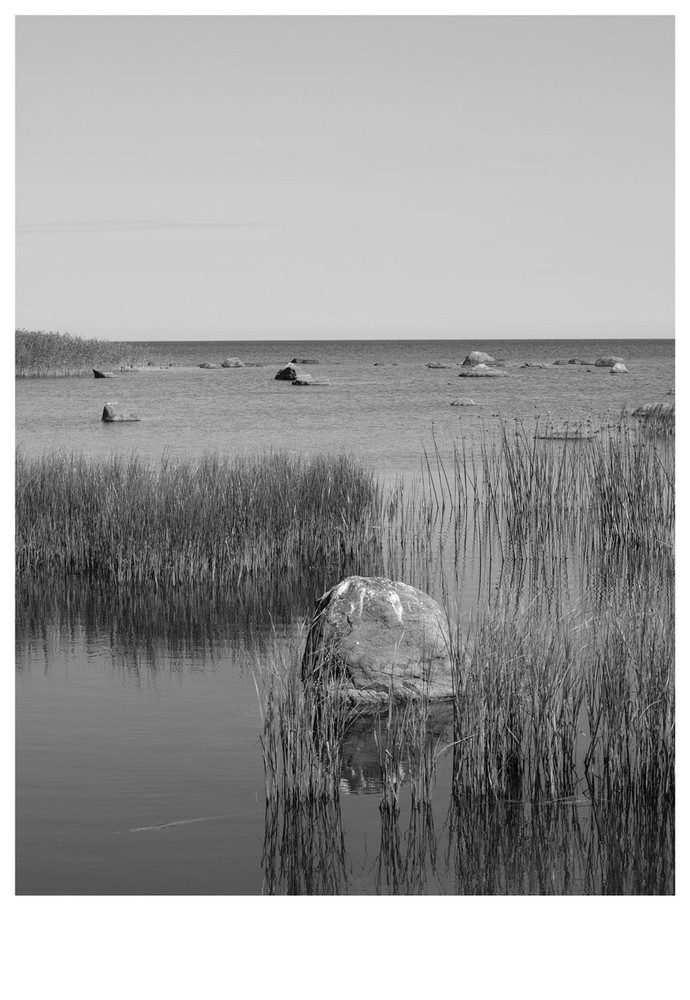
374, 741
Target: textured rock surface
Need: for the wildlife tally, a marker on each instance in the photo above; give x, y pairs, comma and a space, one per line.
287, 373
619, 369
373, 633
113, 414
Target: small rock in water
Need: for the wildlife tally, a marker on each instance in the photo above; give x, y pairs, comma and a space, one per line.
113, 414
233, 363
288, 373
478, 358
304, 361
619, 369
482, 371
463, 402
608, 362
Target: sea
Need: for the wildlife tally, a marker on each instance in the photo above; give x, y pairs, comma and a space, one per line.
139, 768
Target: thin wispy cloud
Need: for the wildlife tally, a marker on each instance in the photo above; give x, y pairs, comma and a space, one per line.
89, 226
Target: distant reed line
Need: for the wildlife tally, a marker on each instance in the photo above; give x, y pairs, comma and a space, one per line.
39, 353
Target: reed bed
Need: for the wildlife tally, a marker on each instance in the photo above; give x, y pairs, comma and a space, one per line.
305, 718
564, 671
567, 681
214, 523
38, 353
585, 847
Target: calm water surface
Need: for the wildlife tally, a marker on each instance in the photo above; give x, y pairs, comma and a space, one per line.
138, 762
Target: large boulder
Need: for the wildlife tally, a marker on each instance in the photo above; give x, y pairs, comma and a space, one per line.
375, 636
233, 363
288, 373
478, 358
482, 371
114, 414
608, 362
619, 369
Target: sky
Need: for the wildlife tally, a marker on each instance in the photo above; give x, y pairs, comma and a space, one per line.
349, 177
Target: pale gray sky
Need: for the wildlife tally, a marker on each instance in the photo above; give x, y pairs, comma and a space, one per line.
238, 177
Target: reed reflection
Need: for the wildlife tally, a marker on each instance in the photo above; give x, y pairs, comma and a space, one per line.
566, 848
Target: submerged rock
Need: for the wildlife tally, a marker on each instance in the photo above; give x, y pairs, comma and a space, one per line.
287, 373
535, 364
233, 363
437, 364
478, 358
113, 414
482, 371
377, 636
209, 364
304, 361
463, 402
308, 380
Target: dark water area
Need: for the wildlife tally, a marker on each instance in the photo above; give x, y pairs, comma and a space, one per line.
139, 768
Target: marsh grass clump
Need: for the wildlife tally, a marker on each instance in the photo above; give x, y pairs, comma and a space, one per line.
566, 684
519, 697
305, 717
39, 353
219, 522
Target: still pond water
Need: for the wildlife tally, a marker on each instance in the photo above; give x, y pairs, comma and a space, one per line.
138, 762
